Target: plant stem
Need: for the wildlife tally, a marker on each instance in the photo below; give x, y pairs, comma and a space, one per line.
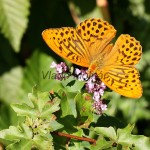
75, 137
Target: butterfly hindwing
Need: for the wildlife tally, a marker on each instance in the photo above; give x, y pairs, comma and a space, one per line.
122, 79
118, 71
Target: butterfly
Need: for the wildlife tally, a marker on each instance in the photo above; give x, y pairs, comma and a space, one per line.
88, 45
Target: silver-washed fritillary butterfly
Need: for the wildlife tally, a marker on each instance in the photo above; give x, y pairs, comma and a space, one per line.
88, 45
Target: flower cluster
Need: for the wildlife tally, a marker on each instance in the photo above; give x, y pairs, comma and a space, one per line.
99, 106
60, 69
93, 84
82, 74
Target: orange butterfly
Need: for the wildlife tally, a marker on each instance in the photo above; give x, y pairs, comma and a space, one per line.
88, 45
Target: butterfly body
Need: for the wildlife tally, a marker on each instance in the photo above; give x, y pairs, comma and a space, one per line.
88, 45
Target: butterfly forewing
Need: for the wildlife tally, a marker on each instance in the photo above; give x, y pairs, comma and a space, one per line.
96, 34
68, 44
126, 51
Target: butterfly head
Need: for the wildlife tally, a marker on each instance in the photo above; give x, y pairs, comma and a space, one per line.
92, 69
94, 66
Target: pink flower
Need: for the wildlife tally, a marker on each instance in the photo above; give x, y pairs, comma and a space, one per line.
61, 68
77, 71
101, 92
95, 86
103, 107
64, 66
90, 87
81, 74
53, 65
99, 106
103, 85
96, 96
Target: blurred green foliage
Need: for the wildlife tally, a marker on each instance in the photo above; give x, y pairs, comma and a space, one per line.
25, 58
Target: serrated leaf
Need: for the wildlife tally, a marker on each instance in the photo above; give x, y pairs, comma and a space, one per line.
107, 132
68, 106
85, 109
11, 82
50, 108
102, 144
21, 145
23, 138
55, 125
43, 143
24, 110
84, 104
13, 20
39, 99
41, 106
137, 142
16, 133
38, 72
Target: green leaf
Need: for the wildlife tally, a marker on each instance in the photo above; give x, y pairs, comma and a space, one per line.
39, 99
107, 132
38, 72
24, 110
72, 85
84, 104
11, 82
7, 116
138, 9
23, 144
43, 143
84, 108
50, 108
137, 142
55, 125
68, 106
13, 20
37, 123
16, 133
102, 144
40, 106
23, 138
124, 138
